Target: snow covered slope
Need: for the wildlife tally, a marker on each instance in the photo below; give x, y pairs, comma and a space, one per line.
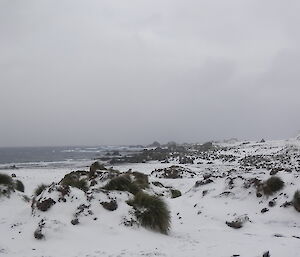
221, 186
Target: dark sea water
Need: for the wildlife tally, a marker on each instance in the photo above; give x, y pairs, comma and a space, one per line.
55, 156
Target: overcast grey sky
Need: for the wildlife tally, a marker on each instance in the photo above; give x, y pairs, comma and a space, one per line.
130, 72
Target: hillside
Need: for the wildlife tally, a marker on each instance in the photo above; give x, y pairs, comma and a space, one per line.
218, 196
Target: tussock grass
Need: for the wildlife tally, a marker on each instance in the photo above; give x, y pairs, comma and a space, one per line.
7, 184
272, 185
19, 186
5, 179
39, 189
296, 200
122, 183
78, 183
141, 179
152, 212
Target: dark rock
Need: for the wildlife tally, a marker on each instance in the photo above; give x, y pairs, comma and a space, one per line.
206, 175
185, 160
173, 172
75, 222
278, 235
297, 237
93, 183
234, 224
38, 234
64, 190
272, 203
82, 207
226, 193
258, 194
266, 254
252, 181
175, 193
45, 205
110, 206
274, 171
157, 183
264, 210
204, 192
289, 170
158, 154
203, 182
286, 204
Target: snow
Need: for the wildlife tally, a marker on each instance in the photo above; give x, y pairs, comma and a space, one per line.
198, 216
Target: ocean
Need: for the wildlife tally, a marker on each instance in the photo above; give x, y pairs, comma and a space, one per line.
56, 157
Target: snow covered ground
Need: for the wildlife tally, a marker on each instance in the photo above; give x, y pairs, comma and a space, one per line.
198, 217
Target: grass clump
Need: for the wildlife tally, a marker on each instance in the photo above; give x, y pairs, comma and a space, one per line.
272, 185
40, 188
122, 183
152, 212
78, 183
296, 200
19, 186
141, 179
5, 179
9, 185
6, 185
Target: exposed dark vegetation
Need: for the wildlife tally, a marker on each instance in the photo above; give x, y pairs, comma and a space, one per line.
152, 212
122, 183
74, 179
80, 184
94, 167
39, 189
140, 179
272, 185
19, 186
9, 185
5, 179
173, 172
296, 200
